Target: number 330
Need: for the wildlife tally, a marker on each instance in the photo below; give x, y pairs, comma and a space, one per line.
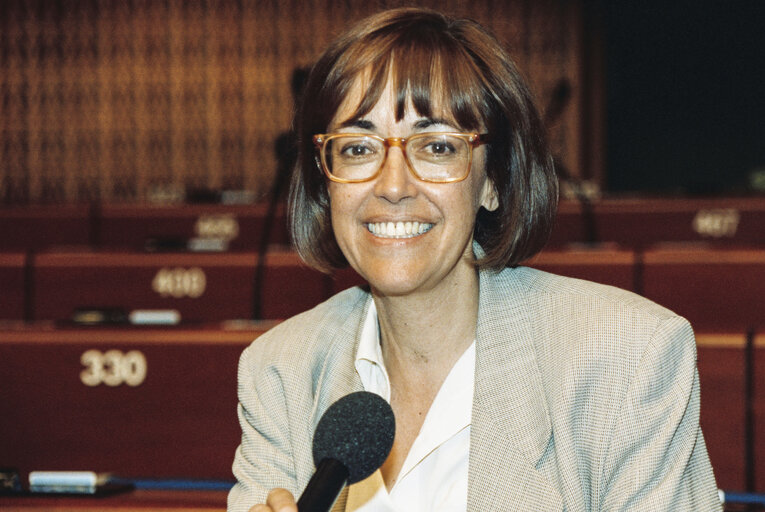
113, 368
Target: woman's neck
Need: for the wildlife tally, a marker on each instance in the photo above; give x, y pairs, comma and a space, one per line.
429, 329
422, 338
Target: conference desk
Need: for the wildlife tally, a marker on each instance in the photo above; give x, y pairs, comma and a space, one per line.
240, 226
722, 364
26, 228
630, 222
135, 402
643, 221
201, 287
211, 287
161, 402
606, 265
716, 289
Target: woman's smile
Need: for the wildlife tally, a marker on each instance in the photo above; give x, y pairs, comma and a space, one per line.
398, 229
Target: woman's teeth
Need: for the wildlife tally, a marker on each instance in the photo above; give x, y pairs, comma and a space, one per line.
398, 229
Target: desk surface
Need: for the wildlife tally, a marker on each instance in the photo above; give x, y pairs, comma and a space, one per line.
161, 501
138, 500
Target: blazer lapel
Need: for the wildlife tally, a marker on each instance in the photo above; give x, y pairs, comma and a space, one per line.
511, 428
337, 377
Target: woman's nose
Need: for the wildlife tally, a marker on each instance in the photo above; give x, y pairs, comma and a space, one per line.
395, 181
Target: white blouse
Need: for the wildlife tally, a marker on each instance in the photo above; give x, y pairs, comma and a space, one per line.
434, 476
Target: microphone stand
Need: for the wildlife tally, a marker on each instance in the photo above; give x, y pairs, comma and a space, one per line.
749, 416
557, 105
286, 155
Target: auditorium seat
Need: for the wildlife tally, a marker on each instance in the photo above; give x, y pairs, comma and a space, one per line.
716, 289
12, 286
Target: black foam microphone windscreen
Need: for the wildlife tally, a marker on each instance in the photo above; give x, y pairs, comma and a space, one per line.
353, 439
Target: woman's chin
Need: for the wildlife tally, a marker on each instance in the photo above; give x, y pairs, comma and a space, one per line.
395, 283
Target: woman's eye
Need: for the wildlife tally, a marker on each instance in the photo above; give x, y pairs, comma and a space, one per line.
355, 150
440, 148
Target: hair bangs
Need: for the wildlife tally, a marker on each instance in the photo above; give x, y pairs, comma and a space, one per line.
462, 89
437, 76
412, 80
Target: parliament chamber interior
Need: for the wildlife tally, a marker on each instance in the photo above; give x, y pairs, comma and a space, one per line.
144, 241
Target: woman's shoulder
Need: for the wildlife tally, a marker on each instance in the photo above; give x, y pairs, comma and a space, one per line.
313, 331
555, 291
573, 318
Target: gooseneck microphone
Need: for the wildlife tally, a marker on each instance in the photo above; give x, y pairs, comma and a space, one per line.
353, 439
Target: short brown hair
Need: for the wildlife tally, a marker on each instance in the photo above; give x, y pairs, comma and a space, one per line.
459, 64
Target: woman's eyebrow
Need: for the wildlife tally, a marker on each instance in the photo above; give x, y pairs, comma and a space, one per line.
420, 124
427, 122
356, 123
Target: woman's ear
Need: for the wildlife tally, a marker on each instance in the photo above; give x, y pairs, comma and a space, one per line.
489, 198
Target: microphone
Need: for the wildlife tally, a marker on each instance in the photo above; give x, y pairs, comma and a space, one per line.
353, 439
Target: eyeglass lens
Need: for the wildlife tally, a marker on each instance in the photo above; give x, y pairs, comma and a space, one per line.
433, 157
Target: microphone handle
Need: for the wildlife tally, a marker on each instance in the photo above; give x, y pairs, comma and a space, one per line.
324, 486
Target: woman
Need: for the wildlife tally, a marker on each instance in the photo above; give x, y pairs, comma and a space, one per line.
423, 165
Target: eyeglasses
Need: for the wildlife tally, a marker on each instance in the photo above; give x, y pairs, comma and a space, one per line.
432, 157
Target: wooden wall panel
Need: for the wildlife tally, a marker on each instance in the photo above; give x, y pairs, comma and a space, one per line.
130, 100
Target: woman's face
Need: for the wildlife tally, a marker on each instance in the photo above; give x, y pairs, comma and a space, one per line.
439, 253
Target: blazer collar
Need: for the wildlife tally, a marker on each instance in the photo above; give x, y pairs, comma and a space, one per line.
511, 427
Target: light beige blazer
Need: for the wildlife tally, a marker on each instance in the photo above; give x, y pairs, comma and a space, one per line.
586, 399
